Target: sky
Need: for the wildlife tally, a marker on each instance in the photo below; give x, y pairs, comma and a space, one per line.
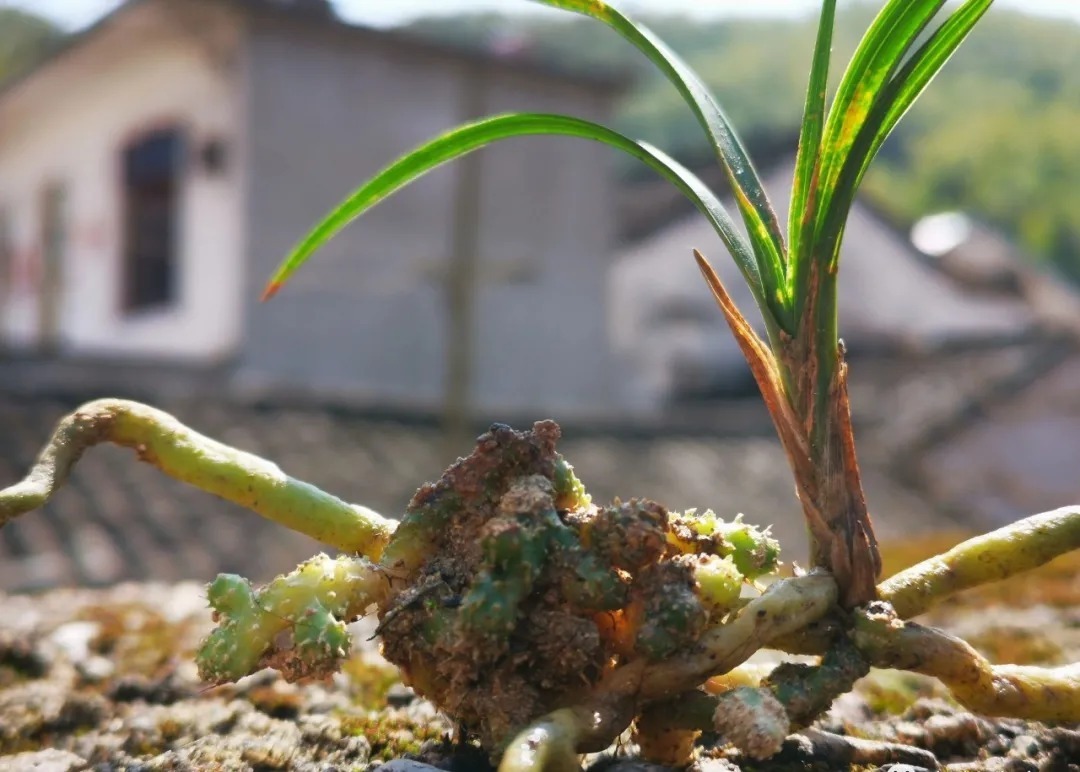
73, 14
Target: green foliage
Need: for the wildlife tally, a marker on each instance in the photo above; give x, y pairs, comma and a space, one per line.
470, 137
24, 39
836, 147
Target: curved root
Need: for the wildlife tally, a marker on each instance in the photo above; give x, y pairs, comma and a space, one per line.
1022, 546
242, 478
1035, 693
786, 606
549, 744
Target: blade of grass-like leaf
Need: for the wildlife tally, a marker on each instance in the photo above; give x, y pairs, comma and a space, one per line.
878, 56
470, 137
921, 68
758, 215
800, 216
895, 100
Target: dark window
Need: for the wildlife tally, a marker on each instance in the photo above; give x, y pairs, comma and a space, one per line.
152, 167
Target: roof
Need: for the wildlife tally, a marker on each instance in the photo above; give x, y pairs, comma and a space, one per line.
118, 519
604, 81
983, 260
890, 297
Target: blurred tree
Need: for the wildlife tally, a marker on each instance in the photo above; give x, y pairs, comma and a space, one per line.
996, 134
24, 40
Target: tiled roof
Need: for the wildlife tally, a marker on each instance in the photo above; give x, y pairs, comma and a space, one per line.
120, 519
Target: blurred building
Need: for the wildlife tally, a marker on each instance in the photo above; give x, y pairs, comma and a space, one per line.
964, 355
155, 171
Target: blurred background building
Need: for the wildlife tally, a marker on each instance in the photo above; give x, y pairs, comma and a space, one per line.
156, 165
159, 166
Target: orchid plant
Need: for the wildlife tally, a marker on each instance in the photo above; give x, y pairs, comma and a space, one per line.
545, 624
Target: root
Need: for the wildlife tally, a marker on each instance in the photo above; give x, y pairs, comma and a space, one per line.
832, 751
1022, 546
756, 719
1034, 693
313, 603
786, 606
242, 478
549, 744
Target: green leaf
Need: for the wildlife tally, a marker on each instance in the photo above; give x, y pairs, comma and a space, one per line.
919, 70
895, 100
757, 212
801, 213
878, 56
470, 137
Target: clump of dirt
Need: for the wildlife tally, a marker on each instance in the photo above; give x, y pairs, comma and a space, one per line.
515, 593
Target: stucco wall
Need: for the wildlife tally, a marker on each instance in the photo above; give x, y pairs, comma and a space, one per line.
67, 125
366, 315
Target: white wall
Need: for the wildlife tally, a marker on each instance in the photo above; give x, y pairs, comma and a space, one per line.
365, 318
68, 124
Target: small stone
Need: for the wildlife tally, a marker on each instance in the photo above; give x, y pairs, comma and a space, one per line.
910, 733
96, 669
400, 696
74, 639
1025, 745
50, 760
406, 765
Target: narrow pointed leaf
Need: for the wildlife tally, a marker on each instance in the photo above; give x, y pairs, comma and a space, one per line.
878, 56
758, 215
921, 68
801, 215
895, 100
465, 139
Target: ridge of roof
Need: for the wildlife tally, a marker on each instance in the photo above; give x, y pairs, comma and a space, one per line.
613, 81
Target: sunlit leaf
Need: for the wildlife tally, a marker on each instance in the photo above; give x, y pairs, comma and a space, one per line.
878, 56
757, 212
465, 139
801, 214
895, 100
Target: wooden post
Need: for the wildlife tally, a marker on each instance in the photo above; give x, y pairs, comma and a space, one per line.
461, 277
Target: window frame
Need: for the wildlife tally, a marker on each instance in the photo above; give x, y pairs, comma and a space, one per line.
150, 283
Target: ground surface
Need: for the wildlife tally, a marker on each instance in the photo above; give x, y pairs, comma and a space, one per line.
103, 679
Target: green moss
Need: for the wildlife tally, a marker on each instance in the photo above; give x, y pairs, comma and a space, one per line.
138, 639
393, 734
370, 679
